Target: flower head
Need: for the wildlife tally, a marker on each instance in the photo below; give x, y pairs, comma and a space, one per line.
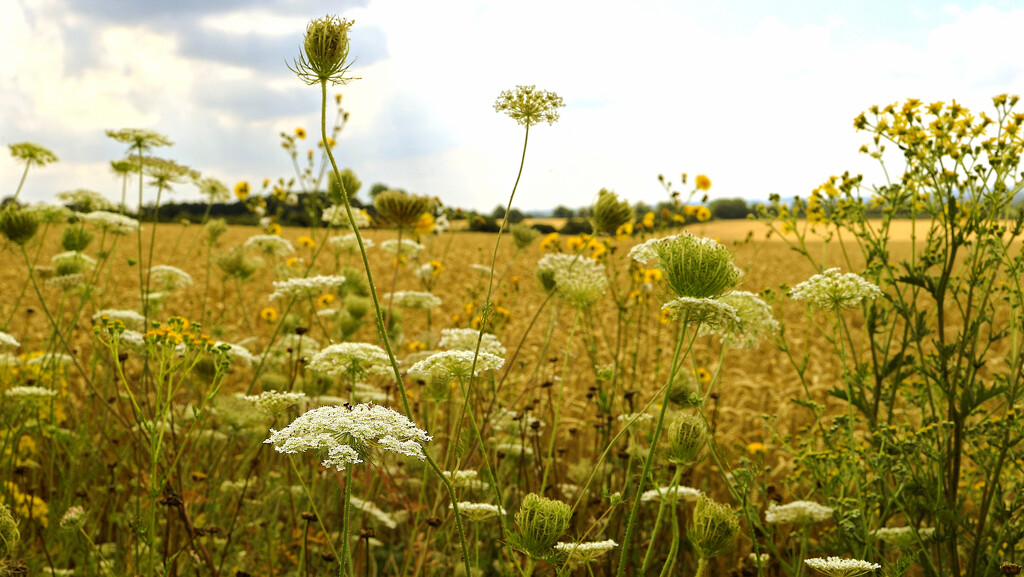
85, 200
324, 51
714, 529
838, 567
31, 153
413, 299
170, 277
139, 140
18, 225
8, 342
583, 553
755, 320
540, 522
528, 106
401, 210
409, 248
275, 402
709, 312
305, 288
833, 290
479, 511
578, 280
671, 494
270, 244
111, 222
696, 267
337, 216
798, 512
449, 365
611, 214
466, 340
349, 435
351, 359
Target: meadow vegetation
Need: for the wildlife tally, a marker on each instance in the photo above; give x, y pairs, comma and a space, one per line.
831, 387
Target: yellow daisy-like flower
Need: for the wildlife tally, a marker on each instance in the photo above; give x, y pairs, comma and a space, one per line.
266, 182
703, 182
416, 346
703, 214
678, 218
330, 142
324, 300
651, 275
242, 190
624, 232
703, 375
293, 262
550, 242
274, 228
279, 193
269, 314
756, 447
648, 220
306, 241
425, 225
300, 132
690, 210
436, 266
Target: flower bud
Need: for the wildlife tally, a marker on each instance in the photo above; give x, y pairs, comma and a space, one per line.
540, 523
399, 209
696, 267
687, 436
714, 528
610, 213
325, 51
19, 226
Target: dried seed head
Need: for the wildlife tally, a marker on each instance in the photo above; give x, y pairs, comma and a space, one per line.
540, 522
325, 51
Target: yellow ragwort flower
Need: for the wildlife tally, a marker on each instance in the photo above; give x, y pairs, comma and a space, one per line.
300, 132
703, 182
306, 241
269, 314
242, 190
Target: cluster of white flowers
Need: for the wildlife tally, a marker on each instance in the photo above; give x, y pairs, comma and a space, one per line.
670, 494
759, 560
456, 364
84, 199
583, 553
799, 512
337, 216
8, 342
578, 280
708, 312
238, 352
297, 344
130, 319
365, 392
275, 402
370, 508
349, 244
30, 392
478, 511
839, 567
66, 281
110, 222
466, 339
468, 479
351, 359
833, 290
755, 321
50, 213
9, 360
904, 537
52, 359
133, 340
413, 299
647, 251
514, 449
270, 244
409, 248
169, 277
480, 268
73, 518
74, 258
347, 434
305, 288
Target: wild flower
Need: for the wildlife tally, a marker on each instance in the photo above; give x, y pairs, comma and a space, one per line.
703, 183
401, 210
351, 360
409, 248
514, 449
466, 340
798, 512
349, 244
456, 364
647, 251
73, 259
50, 213
714, 528
129, 318
467, 479
31, 153
169, 277
296, 344
110, 222
8, 342
709, 312
413, 299
838, 567
349, 434
671, 494
529, 106
696, 267
85, 200
270, 244
687, 437
610, 214
478, 511
18, 225
904, 537
324, 52
213, 189
73, 518
337, 216
139, 140
540, 522
583, 553
579, 281
236, 352
305, 288
9, 360
371, 509
833, 290
755, 320
268, 314
241, 190
66, 282
274, 403
30, 393
481, 268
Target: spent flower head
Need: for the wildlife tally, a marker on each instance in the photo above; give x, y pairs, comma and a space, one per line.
18, 225
578, 280
324, 56
85, 200
754, 321
529, 106
714, 529
696, 267
610, 213
139, 140
348, 435
540, 522
833, 290
582, 553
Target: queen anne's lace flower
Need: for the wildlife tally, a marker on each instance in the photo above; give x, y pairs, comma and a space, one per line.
351, 360
7, 342
349, 434
456, 364
529, 106
478, 511
409, 248
131, 319
706, 311
673, 493
110, 222
838, 567
578, 280
52, 359
66, 281
30, 392
413, 299
466, 339
305, 288
755, 320
74, 258
647, 251
833, 290
348, 243
169, 277
336, 216
904, 537
583, 553
799, 512
51, 213
275, 402
270, 244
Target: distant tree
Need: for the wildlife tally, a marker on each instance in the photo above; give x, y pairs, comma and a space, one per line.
585, 211
562, 211
641, 208
377, 189
577, 226
729, 208
498, 213
515, 216
482, 223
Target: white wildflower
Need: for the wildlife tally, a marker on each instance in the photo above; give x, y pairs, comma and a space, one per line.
466, 340
706, 311
671, 494
833, 290
514, 449
28, 393
413, 299
904, 537
478, 511
50, 213
236, 352
52, 359
371, 509
409, 248
337, 216
169, 277
275, 402
583, 553
297, 345
456, 364
647, 251
305, 288
8, 342
9, 360
755, 321
87, 200
352, 360
130, 319
349, 434
467, 479
270, 244
799, 512
838, 567
349, 244
66, 281
74, 258
578, 280
482, 269
110, 222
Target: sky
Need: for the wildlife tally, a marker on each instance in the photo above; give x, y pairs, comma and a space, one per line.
759, 95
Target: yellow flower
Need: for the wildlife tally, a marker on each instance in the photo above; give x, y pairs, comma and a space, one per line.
703, 375
330, 142
306, 241
425, 225
755, 448
416, 346
300, 132
279, 193
575, 243
324, 300
703, 214
269, 314
678, 217
550, 242
293, 262
690, 210
266, 182
636, 296
27, 506
274, 228
624, 232
436, 266
648, 220
651, 275
703, 182
242, 190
